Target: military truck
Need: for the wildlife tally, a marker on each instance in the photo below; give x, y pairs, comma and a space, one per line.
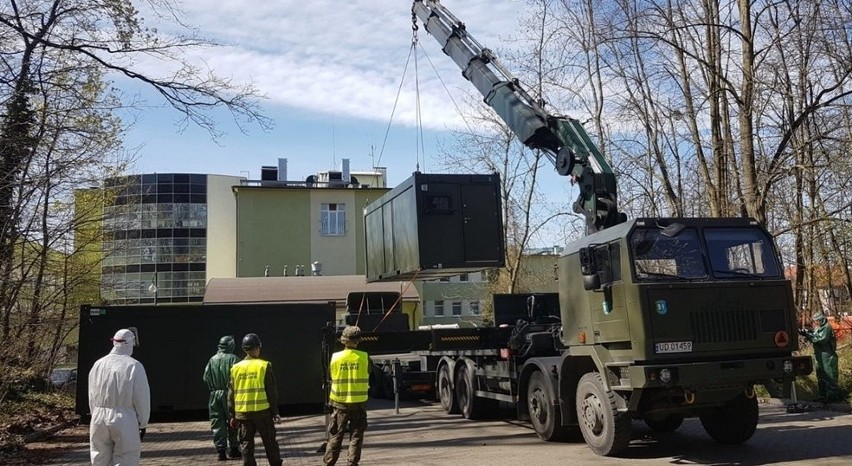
658, 319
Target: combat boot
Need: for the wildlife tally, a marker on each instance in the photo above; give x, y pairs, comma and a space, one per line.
222, 456
234, 453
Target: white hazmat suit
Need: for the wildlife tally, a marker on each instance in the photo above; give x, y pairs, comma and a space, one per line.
120, 403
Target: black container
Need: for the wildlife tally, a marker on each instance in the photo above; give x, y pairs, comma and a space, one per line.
435, 225
177, 341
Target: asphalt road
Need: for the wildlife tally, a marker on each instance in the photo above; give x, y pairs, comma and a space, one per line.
422, 434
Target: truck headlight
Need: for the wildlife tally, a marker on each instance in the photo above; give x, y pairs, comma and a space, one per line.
788, 367
666, 375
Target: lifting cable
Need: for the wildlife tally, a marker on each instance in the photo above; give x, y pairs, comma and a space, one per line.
420, 140
411, 50
419, 148
449, 94
410, 282
361, 308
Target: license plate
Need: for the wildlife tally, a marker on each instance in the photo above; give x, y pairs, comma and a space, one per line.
673, 347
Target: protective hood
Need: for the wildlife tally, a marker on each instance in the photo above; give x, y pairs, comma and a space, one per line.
820, 318
122, 342
226, 344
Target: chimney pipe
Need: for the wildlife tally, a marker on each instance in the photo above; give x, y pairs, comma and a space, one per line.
346, 175
282, 169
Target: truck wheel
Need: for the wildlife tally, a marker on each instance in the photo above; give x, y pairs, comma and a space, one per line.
733, 423
445, 390
471, 406
669, 423
606, 431
545, 418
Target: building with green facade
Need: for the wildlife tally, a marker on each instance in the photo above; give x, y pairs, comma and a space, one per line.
311, 227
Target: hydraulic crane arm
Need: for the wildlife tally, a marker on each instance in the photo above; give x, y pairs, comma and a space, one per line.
563, 139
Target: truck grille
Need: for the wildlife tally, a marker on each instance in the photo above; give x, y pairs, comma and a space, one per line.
715, 326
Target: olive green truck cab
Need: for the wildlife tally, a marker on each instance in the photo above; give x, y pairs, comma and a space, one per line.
664, 319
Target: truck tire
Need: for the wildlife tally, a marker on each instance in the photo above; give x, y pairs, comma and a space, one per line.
605, 430
669, 423
733, 423
445, 390
545, 418
470, 405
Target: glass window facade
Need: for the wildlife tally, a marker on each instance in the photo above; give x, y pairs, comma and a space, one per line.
155, 246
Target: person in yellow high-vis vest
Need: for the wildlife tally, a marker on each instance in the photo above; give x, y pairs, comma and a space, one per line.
253, 403
350, 372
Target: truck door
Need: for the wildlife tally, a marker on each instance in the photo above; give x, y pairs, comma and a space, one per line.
607, 305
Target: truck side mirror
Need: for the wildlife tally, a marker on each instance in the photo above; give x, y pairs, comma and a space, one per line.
587, 261
591, 282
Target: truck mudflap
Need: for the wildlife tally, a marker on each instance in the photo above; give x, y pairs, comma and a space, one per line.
712, 375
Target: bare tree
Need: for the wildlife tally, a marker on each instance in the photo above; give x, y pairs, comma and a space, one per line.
491, 147
59, 132
717, 107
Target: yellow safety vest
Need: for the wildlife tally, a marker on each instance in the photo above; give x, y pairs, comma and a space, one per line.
248, 377
350, 376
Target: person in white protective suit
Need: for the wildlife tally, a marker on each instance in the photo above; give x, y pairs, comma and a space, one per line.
120, 403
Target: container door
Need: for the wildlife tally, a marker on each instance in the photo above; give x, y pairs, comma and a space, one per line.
481, 224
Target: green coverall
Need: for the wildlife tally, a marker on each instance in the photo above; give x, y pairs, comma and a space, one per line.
825, 353
217, 374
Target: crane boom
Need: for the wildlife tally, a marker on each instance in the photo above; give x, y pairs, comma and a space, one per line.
562, 139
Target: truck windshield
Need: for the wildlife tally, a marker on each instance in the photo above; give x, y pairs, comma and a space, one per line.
739, 252
660, 257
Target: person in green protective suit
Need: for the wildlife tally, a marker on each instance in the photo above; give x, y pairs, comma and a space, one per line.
825, 353
217, 375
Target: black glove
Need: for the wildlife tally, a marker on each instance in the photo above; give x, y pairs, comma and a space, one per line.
803, 332
141, 434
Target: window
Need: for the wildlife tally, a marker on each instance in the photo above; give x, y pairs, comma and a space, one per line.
439, 308
457, 308
333, 219
464, 277
474, 308
657, 256
737, 252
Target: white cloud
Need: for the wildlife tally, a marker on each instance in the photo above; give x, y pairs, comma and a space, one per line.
346, 57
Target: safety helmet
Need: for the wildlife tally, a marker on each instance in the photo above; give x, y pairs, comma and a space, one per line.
351, 333
226, 343
251, 341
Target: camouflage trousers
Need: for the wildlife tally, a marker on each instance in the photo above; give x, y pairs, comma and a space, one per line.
353, 419
261, 423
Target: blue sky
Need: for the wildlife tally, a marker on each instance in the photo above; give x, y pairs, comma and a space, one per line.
330, 72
